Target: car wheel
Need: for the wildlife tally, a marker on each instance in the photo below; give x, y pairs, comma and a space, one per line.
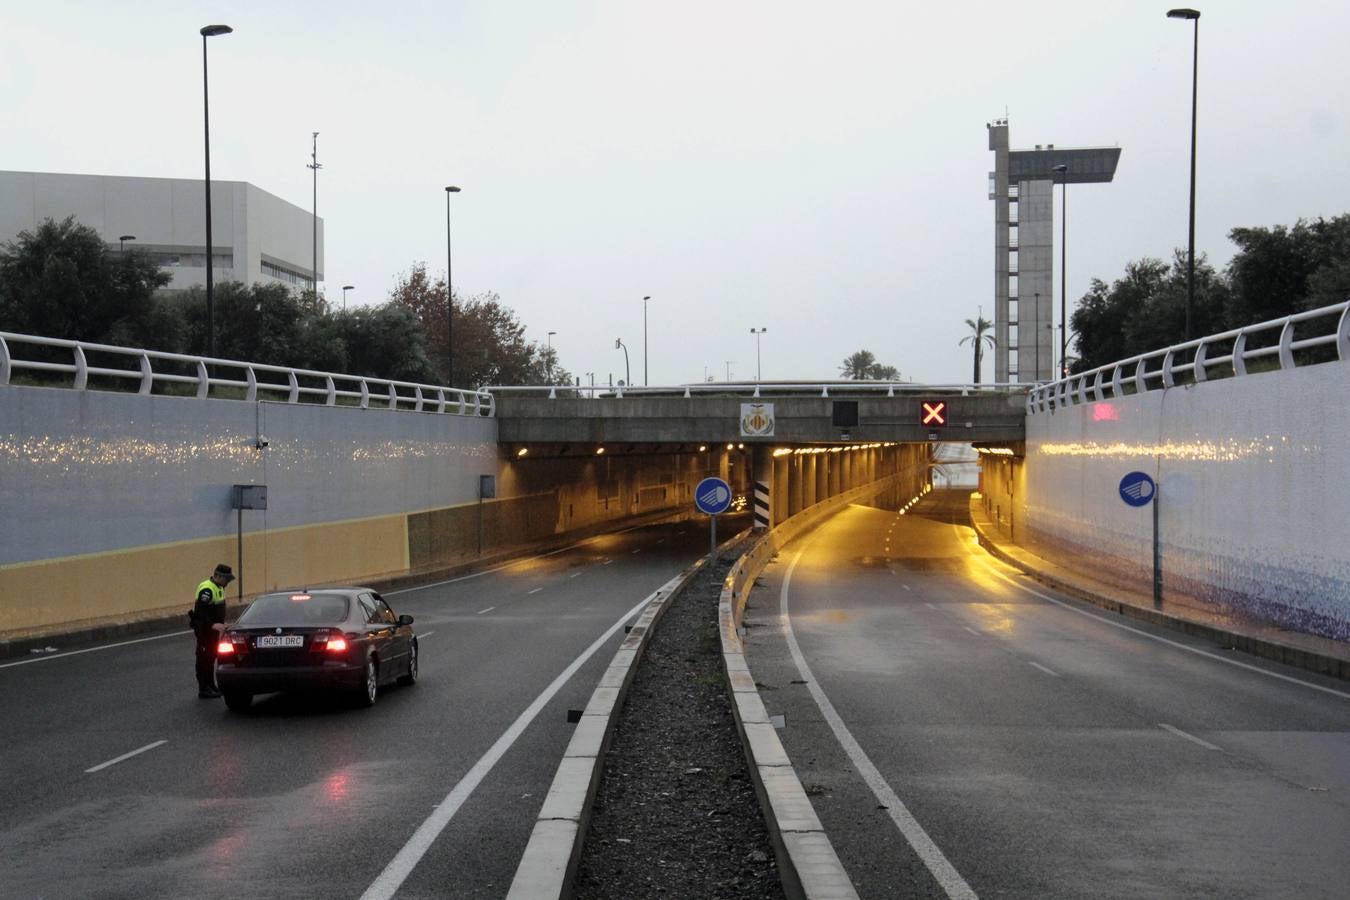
411, 677
370, 684
238, 700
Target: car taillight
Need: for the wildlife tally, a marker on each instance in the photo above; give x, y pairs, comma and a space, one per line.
224, 648
329, 642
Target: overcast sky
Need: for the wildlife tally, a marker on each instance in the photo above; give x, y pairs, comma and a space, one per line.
816, 169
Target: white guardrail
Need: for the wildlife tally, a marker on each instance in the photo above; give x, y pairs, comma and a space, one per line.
1161, 369
752, 389
257, 380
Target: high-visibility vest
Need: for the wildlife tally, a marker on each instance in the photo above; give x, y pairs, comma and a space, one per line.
217, 592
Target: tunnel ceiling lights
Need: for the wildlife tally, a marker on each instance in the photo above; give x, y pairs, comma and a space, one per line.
522, 451
599, 451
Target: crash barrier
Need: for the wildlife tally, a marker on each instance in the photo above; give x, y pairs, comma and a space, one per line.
1286, 341
154, 371
807, 862
548, 867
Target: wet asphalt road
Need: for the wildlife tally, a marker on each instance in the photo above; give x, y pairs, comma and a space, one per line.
300, 798
1032, 749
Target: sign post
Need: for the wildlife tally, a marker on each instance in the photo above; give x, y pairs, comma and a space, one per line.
242, 497
712, 496
1138, 489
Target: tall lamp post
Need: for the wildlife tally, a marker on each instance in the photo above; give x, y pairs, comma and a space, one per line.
628, 375
550, 355
1036, 372
122, 240
644, 340
345, 289
757, 332
449, 297
208, 32
1194, 16
314, 165
1063, 171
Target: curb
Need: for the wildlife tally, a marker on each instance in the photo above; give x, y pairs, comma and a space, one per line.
548, 867
1308, 660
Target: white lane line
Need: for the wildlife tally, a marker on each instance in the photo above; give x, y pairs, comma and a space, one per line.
971, 630
1190, 737
907, 587
638, 550
930, 606
24, 662
1050, 672
424, 634
488, 610
574, 575
114, 761
394, 874
607, 562
536, 590
942, 870
983, 558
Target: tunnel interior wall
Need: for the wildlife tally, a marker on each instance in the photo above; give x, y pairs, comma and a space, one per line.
1252, 493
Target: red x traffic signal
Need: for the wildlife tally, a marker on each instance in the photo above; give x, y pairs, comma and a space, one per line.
934, 412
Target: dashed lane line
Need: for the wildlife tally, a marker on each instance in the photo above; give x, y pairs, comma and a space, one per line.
536, 590
157, 637
1190, 737
488, 610
1036, 665
125, 756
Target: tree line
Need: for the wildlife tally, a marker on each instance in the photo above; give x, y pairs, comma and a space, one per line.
1275, 272
61, 280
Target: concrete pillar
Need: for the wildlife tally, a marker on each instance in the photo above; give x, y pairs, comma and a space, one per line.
795, 485
809, 481
822, 476
780, 489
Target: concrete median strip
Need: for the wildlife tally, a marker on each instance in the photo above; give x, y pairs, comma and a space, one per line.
548, 866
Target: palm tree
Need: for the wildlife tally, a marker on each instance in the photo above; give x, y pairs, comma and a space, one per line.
858, 366
979, 326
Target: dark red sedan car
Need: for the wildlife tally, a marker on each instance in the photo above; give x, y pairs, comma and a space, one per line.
345, 639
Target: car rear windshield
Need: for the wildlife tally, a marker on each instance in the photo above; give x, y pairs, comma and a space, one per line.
296, 609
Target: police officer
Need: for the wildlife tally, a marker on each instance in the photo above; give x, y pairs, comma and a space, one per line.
208, 619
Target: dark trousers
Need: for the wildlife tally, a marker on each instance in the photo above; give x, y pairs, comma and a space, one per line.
206, 657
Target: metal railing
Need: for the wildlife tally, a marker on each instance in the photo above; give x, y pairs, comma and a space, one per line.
1282, 340
752, 389
257, 381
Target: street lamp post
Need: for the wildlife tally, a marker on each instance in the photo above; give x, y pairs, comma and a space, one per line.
315, 166
1036, 373
1063, 171
345, 289
644, 340
628, 375
207, 32
449, 297
121, 242
1194, 16
550, 355
757, 332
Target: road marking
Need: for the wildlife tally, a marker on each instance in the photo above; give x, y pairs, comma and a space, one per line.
607, 562
536, 590
574, 575
24, 662
394, 874
1036, 665
906, 587
1190, 737
984, 560
488, 610
971, 630
941, 869
638, 550
930, 606
124, 756
425, 634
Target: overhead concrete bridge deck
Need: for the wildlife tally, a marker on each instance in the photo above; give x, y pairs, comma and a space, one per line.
791, 413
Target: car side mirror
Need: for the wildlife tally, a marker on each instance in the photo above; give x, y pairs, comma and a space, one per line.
405, 620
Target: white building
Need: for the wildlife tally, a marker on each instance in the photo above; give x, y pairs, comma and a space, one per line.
257, 236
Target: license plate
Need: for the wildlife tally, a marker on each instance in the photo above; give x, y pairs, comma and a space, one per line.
281, 640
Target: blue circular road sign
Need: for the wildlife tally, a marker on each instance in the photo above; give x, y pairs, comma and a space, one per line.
712, 496
1137, 489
